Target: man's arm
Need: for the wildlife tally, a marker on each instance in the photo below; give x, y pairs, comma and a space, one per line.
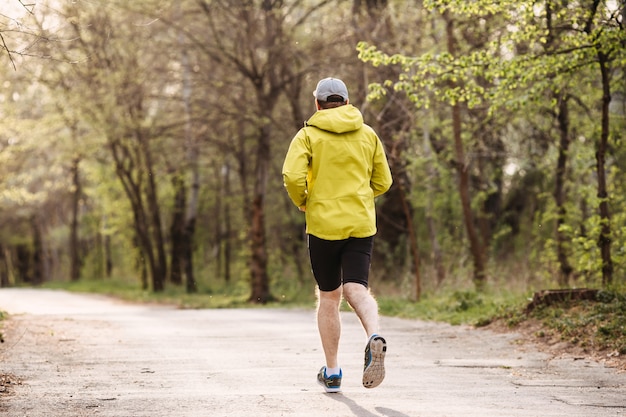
381, 174
295, 169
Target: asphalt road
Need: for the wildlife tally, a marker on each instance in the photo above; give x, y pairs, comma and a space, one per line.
84, 355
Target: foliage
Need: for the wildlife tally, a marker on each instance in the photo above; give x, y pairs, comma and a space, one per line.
513, 78
528, 49
150, 101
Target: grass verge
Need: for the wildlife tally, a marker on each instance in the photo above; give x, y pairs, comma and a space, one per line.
589, 326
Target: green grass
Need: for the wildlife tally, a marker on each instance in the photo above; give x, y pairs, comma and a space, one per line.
455, 307
221, 296
593, 325
172, 295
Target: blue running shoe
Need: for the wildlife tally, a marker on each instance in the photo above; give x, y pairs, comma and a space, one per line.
374, 368
330, 383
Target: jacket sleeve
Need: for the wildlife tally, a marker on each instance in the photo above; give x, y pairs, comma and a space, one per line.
381, 174
296, 168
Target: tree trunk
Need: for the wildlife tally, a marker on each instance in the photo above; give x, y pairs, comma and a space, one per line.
258, 268
190, 226
190, 281
604, 240
226, 230
23, 264
143, 272
463, 179
133, 164
413, 241
75, 258
131, 183
266, 95
108, 257
559, 191
191, 145
177, 232
159, 273
140, 263
4, 268
258, 265
147, 261
38, 253
430, 221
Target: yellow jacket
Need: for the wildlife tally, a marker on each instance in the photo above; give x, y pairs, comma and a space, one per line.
334, 168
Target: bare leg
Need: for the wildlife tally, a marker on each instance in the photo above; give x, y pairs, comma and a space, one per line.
329, 324
366, 308
364, 305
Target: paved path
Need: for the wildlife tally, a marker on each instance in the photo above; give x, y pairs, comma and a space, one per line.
84, 355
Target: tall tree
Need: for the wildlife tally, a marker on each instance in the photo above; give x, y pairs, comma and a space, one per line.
532, 70
254, 41
119, 111
462, 167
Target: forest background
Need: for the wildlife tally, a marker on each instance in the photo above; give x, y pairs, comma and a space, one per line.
141, 143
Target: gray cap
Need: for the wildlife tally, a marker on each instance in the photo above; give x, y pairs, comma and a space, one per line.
330, 87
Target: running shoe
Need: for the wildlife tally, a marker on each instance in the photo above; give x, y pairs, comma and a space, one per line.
374, 368
330, 383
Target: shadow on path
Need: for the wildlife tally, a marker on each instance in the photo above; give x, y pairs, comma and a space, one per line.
359, 411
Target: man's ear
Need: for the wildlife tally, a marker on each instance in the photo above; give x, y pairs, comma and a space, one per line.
317, 105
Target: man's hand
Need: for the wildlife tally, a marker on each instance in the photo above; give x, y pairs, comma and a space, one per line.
303, 208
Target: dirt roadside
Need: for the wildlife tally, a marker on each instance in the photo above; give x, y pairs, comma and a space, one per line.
554, 345
84, 355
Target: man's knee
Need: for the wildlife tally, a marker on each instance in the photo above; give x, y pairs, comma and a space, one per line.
354, 292
333, 296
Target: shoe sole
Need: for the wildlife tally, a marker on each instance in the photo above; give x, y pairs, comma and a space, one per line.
374, 371
330, 390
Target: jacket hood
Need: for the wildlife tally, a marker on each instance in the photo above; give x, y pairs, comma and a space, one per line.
338, 119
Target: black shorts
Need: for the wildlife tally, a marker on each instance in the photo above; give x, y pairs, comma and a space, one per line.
335, 262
